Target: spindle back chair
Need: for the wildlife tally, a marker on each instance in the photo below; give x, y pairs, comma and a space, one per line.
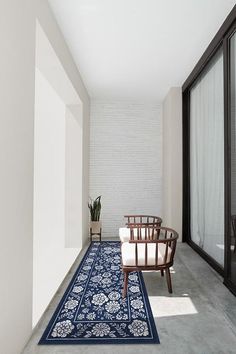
153, 249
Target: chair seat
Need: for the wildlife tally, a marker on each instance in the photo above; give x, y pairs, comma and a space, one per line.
124, 234
128, 254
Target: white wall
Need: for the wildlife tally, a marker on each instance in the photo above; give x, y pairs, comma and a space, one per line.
57, 174
53, 187
126, 160
53, 33
60, 120
73, 176
17, 71
172, 160
16, 177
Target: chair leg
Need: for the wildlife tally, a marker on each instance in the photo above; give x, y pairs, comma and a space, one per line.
162, 272
168, 279
125, 284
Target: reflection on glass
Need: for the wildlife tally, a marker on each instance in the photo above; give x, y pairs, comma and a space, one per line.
207, 160
233, 159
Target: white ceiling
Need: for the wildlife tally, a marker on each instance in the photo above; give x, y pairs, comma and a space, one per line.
137, 49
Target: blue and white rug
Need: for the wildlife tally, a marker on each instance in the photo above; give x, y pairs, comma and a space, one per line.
92, 310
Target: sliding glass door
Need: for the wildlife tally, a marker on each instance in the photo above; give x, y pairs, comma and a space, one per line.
207, 160
209, 154
232, 236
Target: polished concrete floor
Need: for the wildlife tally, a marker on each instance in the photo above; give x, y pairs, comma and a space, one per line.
199, 317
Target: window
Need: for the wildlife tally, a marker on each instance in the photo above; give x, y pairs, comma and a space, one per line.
209, 154
207, 160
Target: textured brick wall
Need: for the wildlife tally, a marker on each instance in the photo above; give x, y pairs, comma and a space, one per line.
125, 160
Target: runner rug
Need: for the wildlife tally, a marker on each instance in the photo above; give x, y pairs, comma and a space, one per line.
92, 310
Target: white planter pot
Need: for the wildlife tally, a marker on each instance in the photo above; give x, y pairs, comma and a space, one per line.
95, 227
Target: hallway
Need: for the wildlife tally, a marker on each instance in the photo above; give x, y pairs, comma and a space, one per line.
131, 103
199, 317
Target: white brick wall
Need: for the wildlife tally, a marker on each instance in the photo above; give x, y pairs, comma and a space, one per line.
125, 160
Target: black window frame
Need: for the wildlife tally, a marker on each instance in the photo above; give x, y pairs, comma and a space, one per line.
221, 39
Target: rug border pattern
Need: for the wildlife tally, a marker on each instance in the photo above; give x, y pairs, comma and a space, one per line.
44, 340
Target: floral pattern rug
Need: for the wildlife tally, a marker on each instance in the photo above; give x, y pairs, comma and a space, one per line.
92, 309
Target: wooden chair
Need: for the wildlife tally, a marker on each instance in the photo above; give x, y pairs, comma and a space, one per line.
145, 220
152, 250
233, 220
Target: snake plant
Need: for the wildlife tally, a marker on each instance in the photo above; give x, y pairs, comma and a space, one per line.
95, 208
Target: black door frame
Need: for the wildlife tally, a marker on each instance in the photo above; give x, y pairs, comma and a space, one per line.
227, 116
221, 39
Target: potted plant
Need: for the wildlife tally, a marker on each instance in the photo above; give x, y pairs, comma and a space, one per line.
95, 211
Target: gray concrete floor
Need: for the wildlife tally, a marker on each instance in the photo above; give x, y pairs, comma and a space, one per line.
199, 317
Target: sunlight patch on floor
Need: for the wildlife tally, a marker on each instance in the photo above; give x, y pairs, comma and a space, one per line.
163, 306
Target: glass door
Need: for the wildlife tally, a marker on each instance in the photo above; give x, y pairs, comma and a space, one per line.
232, 236
209, 154
207, 160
